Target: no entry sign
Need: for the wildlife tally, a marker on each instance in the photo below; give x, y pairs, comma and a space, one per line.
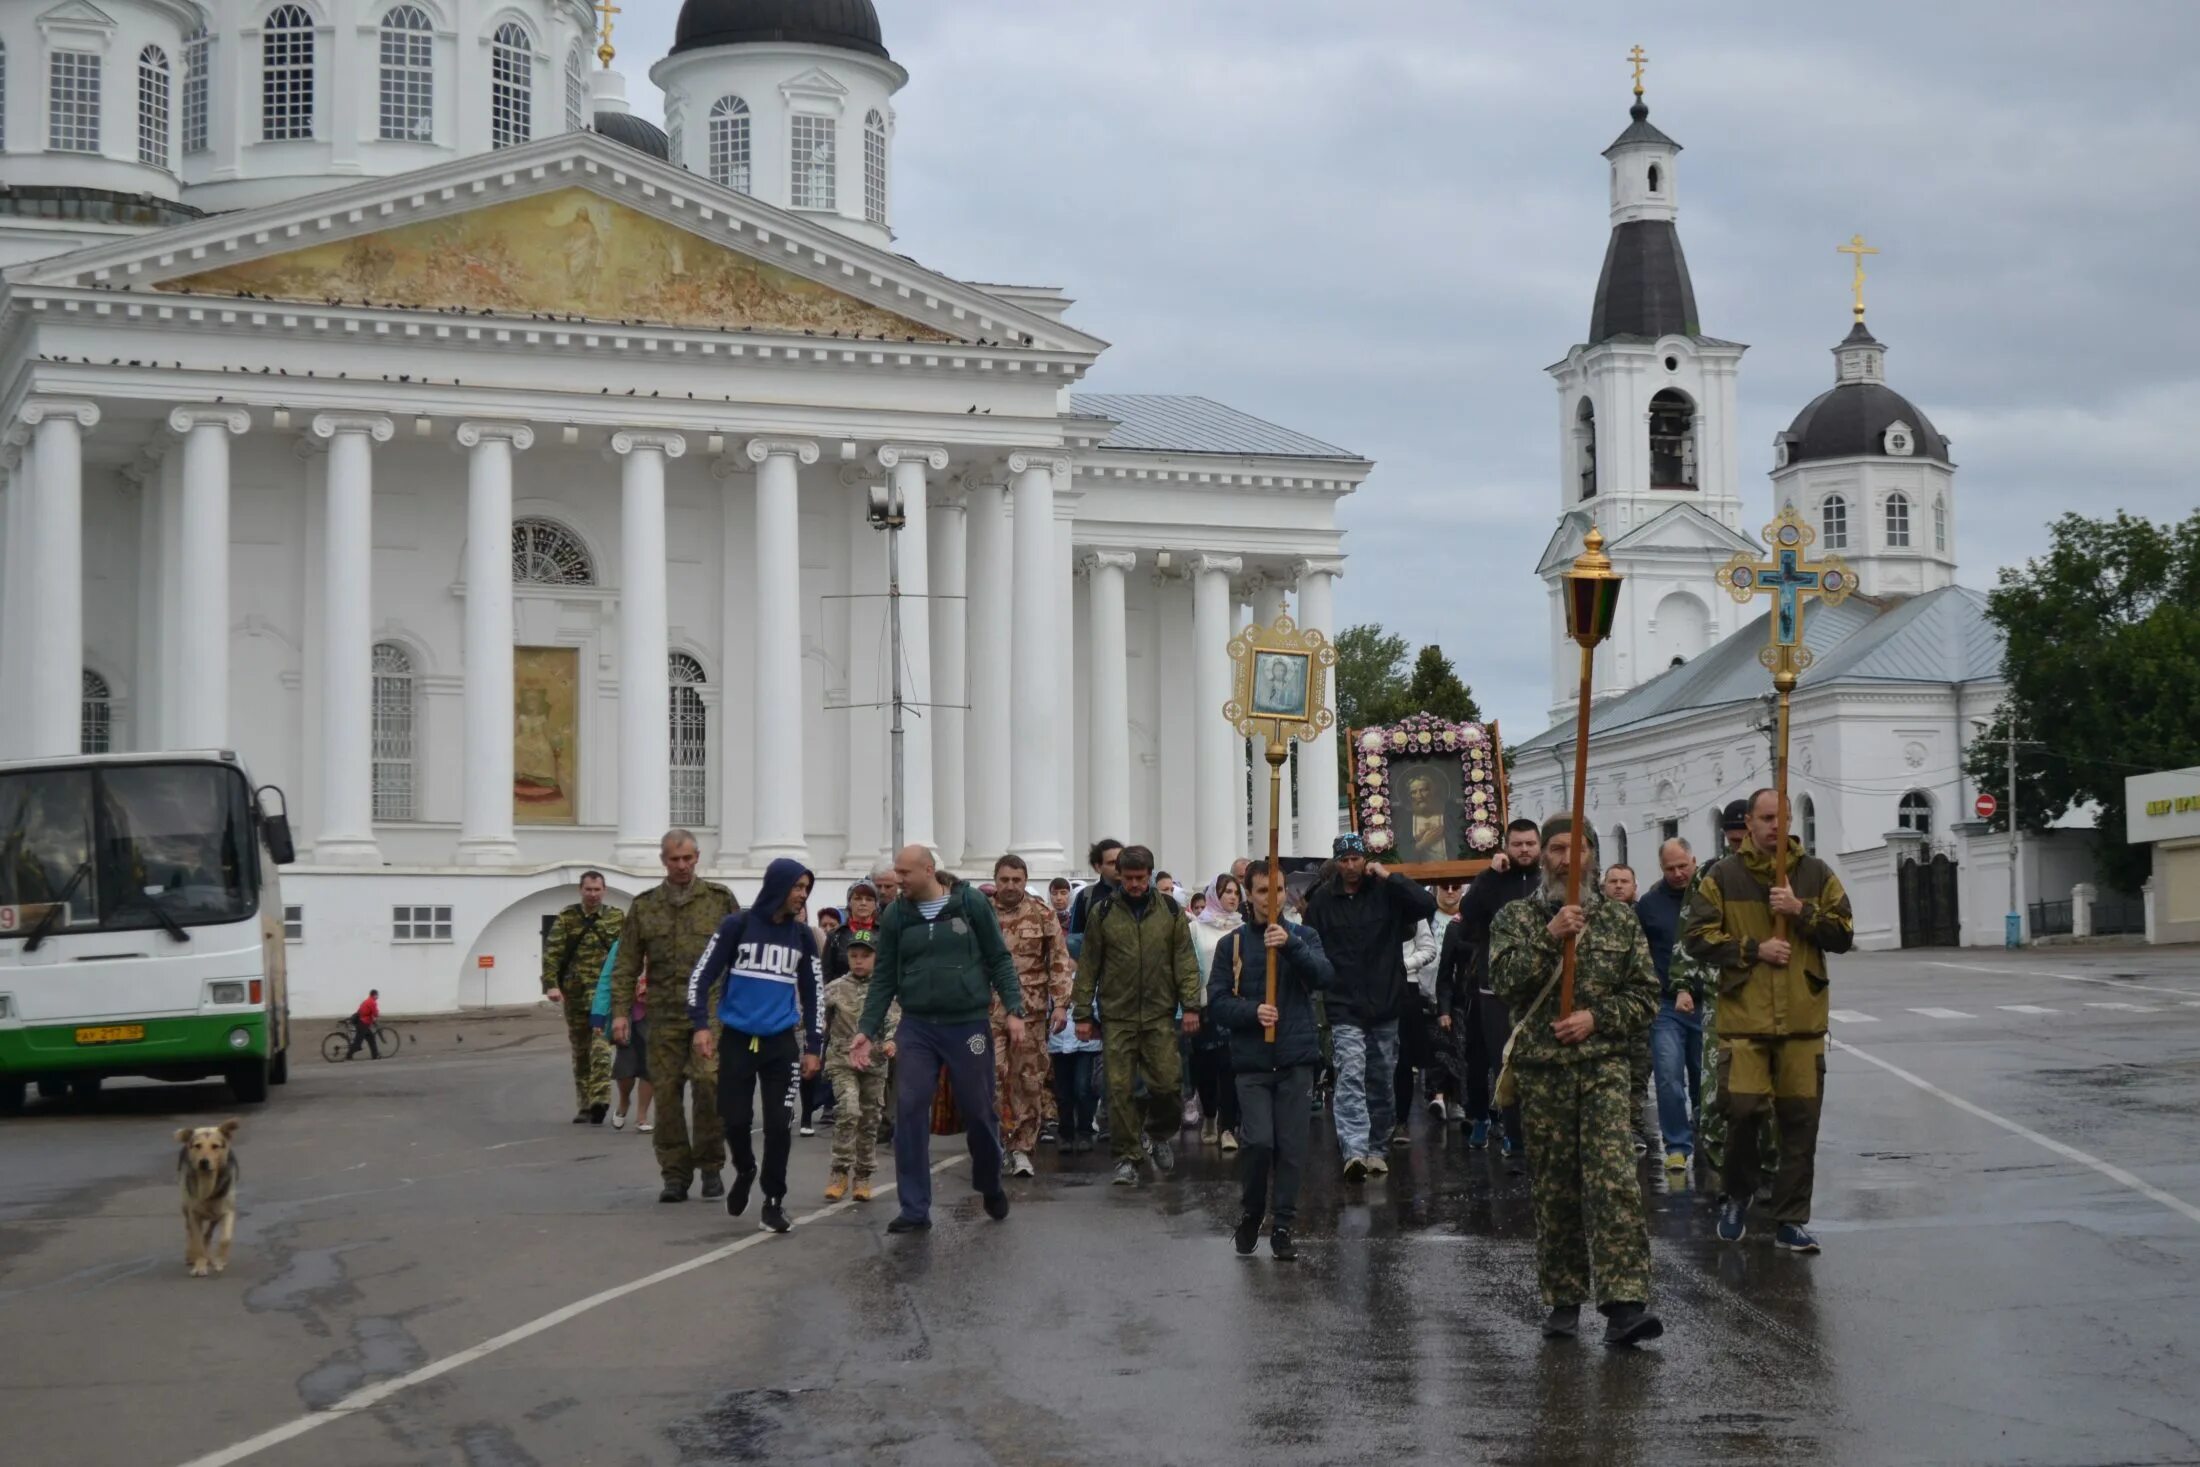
1986, 805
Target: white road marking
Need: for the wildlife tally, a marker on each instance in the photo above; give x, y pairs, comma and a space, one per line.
530, 1141
368, 1397
2068, 977
2025, 1008
2129, 1008
1851, 1016
1944, 1013
2107, 1169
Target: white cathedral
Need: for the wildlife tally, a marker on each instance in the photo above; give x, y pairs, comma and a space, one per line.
385, 401
1905, 671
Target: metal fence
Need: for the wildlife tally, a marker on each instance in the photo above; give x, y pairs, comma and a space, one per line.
2052, 919
2116, 913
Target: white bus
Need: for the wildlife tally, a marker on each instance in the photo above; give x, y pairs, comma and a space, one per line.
141, 924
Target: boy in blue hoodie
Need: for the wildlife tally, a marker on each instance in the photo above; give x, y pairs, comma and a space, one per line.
769, 1018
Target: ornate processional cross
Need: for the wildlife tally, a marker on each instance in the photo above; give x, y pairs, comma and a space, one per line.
606, 9
1641, 59
1790, 577
1856, 250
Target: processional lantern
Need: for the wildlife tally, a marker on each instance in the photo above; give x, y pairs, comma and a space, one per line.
1592, 604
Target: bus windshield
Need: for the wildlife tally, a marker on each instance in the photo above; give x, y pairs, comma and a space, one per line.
125, 846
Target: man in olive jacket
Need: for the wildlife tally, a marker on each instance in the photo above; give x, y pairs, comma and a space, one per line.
572, 958
940, 953
1773, 1011
1138, 960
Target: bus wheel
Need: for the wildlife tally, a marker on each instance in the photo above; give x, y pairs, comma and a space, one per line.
11, 1096
249, 1083
86, 1089
278, 1070
52, 1089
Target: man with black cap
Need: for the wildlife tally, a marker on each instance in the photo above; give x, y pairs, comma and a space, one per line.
1364, 917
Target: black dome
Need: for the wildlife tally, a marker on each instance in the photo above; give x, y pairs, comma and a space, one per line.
850, 25
1851, 420
638, 133
1644, 289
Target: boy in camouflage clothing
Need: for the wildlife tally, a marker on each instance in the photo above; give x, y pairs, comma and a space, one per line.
572, 956
859, 1096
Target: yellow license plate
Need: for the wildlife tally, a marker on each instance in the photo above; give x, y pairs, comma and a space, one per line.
110, 1033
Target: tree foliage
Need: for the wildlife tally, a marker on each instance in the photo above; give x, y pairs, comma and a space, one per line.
1371, 675
1435, 688
2103, 666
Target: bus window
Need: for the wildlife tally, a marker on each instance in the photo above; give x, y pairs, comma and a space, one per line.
180, 834
45, 840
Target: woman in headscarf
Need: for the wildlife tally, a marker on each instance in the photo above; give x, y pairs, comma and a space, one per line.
1211, 1076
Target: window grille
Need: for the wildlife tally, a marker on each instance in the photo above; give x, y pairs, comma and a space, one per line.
813, 167
395, 716
1833, 521
286, 75
576, 90
408, 76
1914, 813
153, 107
195, 62
729, 144
511, 87
1898, 522
73, 102
294, 923
420, 924
98, 735
874, 168
1940, 525
1809, 811
690, 743
546, 553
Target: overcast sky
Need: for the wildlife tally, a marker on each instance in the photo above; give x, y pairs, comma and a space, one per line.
1379, 223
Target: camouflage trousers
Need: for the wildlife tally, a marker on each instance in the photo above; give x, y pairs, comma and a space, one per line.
591, 1054
1638, 1084
1589, 1221
859, 1102
682, 1152
1023, 1076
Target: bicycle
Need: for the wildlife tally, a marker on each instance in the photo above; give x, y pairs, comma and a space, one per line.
336, 1044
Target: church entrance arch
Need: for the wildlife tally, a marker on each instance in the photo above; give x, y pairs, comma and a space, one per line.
1927, 892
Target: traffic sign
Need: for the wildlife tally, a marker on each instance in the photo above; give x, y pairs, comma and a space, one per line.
1986, 805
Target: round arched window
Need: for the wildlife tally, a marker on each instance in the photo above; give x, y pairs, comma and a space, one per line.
546, 553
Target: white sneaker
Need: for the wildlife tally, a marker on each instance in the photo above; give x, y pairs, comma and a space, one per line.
618, 1120
1436, 1106
1019, 1164
808, 1129
646, 1127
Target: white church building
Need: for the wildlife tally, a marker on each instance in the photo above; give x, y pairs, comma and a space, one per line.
385, 401
1905, 672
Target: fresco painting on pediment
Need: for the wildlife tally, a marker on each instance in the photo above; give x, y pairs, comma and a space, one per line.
566, 253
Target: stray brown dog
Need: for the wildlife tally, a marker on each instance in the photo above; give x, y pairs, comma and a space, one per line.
208, 1172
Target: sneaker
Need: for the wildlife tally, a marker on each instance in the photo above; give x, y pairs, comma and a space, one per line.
1126, 1174
1377, 1167
673, 1192
1436, 1106
618, 1120
1280, 1244
905, 1224
1229, 1141
1734, 1221
1050, 1134
598, 1111
1795, 1238
1478, 1135
1644, 1144
1630, 1324
1676, 1161
1246, 1235
737, 1202
1512, 1148
1164, 1157
806, 1129
1400, 1136
646, 1127
837, 1187
1355, 1168
1454, 1111
1019, 1164
1208, 1133
862, 1190
1563, 1322
774, 1216
996, 1205
714, 1185
1191, 1111
1764, 1191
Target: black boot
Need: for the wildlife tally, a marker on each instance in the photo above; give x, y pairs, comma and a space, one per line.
774, 1216
673, 1192
1246, 1235
597, 1112
1280, 1244
737, 1201
714, 1184
1563, 1322
1630, 1324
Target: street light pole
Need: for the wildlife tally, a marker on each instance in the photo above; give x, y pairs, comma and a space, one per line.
2016, 891
888, 513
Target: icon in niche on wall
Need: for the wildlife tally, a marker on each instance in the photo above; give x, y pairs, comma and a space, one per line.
545, 735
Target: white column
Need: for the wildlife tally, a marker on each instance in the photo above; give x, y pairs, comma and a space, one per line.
737, 621
1035, 712
485, 830
201, 703
1242, 756
14, 464
777, 699
1075, 736
1111, 692
920, 810
645, 729
52, 606
345, 832
171, 591
145, 697
950, 582
1318, 822
1217, 742
986, 766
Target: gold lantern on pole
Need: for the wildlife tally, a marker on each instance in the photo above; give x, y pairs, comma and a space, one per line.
1592, 603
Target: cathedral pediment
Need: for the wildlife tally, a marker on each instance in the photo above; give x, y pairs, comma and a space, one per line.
1686, 529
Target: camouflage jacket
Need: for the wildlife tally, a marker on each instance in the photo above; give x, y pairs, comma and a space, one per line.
1730, 913
844, 1000
1141, 969
1036, 945
1614, 978
590, 941
669, 940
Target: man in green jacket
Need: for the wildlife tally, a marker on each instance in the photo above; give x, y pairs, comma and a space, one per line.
1769, 943
1573, 1078
572, 956
940, 954
1138, 960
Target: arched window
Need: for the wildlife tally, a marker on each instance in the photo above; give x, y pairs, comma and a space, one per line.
1807, 810
1672, 441
72, 102
99, 716
1940, 525
1585, 446
286, 75
729, 144
195, 59
511, 87
396, 700
1656, 178
576, 90
690, 743
1619, 847
408, 76
546, 553
153, 107
812, 166
1833, 522
874, 168
1915, 813
1898, 521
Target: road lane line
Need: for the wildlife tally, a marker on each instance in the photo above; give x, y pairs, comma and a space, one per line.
2068, 977
2129, 1008
1944, 1013
1850, 1016
368, 1397
2024, 1008
2107, 1169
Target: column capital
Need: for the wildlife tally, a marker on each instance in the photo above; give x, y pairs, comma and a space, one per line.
931, 455
374, 425
629, 440
945, 499
1024, 460
1259, 581
209, 415
1117, 560
1325, 566
473, 435
36, 410
1221, 565
801, 450
730, 466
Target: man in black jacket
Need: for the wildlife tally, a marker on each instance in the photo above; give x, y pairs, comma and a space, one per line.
1364, 918
1466, 965
1275, 1081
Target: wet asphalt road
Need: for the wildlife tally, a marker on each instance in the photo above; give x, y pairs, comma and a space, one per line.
1983, 1298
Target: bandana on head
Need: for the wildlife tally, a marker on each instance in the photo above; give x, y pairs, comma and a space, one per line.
1348, 844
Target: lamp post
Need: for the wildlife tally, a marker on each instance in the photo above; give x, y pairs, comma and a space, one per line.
1592, 601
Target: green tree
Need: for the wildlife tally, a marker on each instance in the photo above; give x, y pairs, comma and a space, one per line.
2103, 666
1435, 688
1370, 676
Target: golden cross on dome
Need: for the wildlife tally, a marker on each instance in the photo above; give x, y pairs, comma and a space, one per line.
606, 9
1856, 249
1641, 59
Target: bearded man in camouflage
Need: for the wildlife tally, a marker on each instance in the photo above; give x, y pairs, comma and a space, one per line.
1573, 1078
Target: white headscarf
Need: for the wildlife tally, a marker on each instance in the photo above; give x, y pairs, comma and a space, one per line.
1214, 914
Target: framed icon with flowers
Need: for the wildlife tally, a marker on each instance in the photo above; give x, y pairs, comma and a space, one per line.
1428, 795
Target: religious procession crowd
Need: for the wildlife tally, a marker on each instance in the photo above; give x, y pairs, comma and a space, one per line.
1129, 1010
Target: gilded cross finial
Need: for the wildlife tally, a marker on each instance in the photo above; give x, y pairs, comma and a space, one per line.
1641, 59
606, 9
1856, 249
1791, 578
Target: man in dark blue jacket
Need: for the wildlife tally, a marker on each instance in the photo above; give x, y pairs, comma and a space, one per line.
1275, 1080
770, 1016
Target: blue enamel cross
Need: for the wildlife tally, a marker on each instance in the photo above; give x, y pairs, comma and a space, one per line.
1786, 583
1791, 580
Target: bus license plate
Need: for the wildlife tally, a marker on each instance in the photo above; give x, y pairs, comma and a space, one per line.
110, 1033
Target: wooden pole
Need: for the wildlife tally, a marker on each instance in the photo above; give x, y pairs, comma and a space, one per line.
1785, 685
1579, 840
1278, 755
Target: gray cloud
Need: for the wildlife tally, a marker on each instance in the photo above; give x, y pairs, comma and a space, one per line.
1378, 225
